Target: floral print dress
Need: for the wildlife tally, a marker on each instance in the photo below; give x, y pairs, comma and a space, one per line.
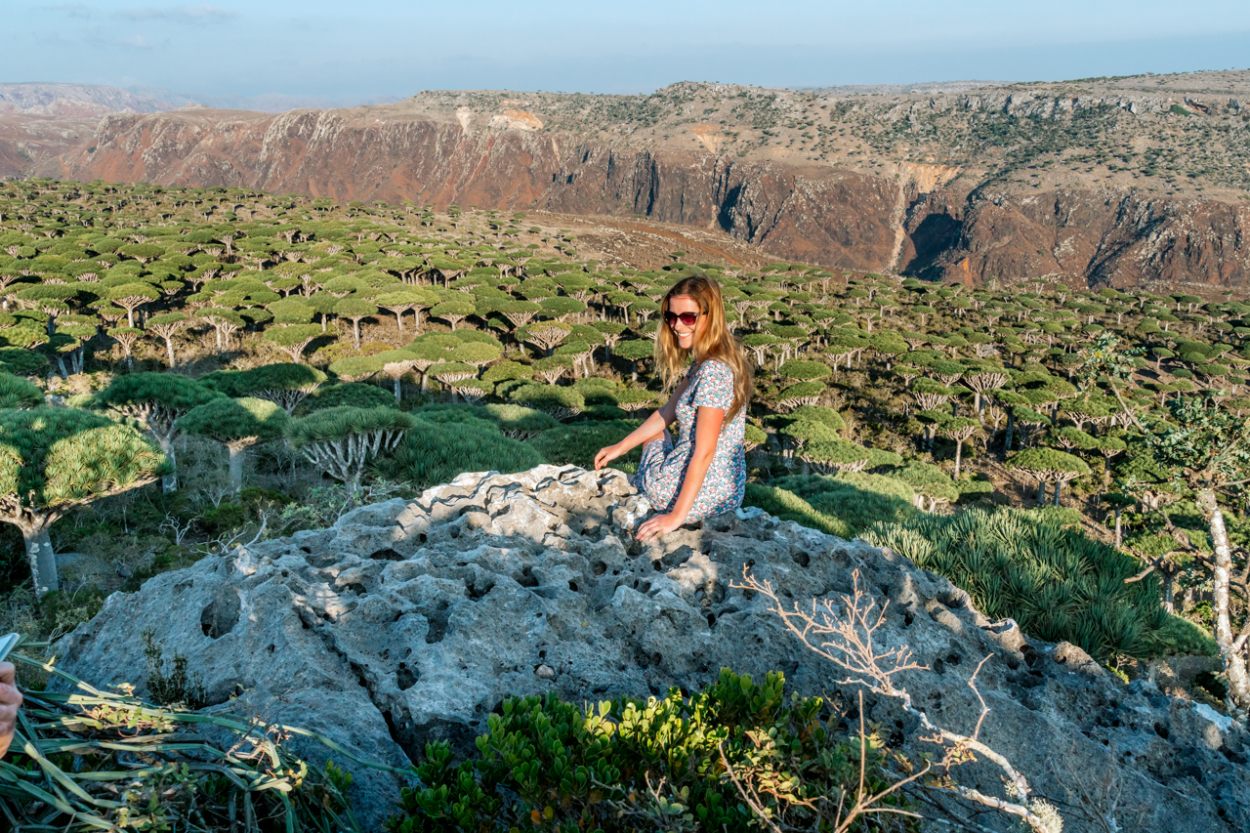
663, 466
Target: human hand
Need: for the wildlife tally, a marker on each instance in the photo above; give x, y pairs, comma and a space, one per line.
606, 455
659, 525
10, 700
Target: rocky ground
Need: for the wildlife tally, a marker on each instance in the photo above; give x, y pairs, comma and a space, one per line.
412, 620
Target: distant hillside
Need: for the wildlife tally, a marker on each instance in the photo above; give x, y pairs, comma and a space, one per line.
1137, 180
80, 100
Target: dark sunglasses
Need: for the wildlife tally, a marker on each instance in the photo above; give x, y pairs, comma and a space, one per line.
687, 318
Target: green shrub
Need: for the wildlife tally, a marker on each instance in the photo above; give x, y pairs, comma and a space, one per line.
577, 444
549, 765
354, 394
788, 506
446, 413
1055, 582
434, 453
560, 403
519, 422
18, 392
855, 499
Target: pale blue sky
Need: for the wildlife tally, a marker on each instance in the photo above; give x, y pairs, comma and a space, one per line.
365, 48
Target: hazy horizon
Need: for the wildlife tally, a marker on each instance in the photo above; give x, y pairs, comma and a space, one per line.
376, 49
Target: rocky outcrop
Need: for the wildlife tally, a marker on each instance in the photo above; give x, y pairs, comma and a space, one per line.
412, 620
1083, 236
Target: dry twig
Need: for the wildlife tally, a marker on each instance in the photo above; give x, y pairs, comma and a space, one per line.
846, 638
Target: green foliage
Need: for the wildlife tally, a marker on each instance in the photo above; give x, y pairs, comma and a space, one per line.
804, 370
136, 392
549, 765
18, 393
51, 458
788, 506
577, 444
844, 455
21, 362
819, 413
434, 453
243, 421
559, 402
1054, 581
269, 377
337, 423
519, 422
355, 394
1048, 464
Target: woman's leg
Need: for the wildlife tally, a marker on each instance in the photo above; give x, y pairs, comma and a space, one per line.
654, 452
662, 435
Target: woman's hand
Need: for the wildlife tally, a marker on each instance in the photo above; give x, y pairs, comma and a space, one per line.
606, 455
10, 700
659, 525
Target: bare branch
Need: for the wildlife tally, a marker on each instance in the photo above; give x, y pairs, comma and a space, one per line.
843, 633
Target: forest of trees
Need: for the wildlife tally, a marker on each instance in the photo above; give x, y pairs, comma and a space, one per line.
184, 368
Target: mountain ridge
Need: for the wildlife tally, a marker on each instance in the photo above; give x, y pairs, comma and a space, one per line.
1133, 181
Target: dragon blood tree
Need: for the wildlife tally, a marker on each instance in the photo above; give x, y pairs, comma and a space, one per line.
237, 424
54, 459
342, 441
157, 400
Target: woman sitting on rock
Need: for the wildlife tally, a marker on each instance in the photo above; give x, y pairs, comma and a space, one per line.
704, 472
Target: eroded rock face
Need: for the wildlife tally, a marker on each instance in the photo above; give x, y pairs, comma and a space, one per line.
412, 621
908, 217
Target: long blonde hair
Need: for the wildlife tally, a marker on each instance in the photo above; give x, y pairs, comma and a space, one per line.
715, 343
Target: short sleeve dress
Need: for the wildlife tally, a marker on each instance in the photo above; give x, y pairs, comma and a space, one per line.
662, 469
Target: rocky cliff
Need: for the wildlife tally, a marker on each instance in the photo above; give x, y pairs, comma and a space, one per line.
1012, 183
411, 621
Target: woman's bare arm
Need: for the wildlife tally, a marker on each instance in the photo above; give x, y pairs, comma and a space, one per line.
650, 429
706, 434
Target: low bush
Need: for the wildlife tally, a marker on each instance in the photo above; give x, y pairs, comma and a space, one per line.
855, 499
1057, 583
435, 452
638, 765
577, 444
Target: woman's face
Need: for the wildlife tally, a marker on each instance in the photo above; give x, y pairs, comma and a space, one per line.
686, 334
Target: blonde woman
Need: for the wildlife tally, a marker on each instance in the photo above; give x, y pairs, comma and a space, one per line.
704, 472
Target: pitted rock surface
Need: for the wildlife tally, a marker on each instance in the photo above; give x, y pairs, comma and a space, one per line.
409, 621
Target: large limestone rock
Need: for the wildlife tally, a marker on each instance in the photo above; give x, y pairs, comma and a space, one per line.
411, 621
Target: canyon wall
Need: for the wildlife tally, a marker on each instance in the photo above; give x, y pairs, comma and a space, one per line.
917, 219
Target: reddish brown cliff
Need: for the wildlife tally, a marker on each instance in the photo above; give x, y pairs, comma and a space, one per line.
913, 218
1096, 237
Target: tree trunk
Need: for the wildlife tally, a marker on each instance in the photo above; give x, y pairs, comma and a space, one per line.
42, 559
1058, 489
169, 482
959, 453
169, 347
236, 467
1234, 659
399, 390
1119, 532
1041, 492
1011, 427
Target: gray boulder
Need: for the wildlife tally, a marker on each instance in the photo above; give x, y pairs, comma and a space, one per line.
410, 621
